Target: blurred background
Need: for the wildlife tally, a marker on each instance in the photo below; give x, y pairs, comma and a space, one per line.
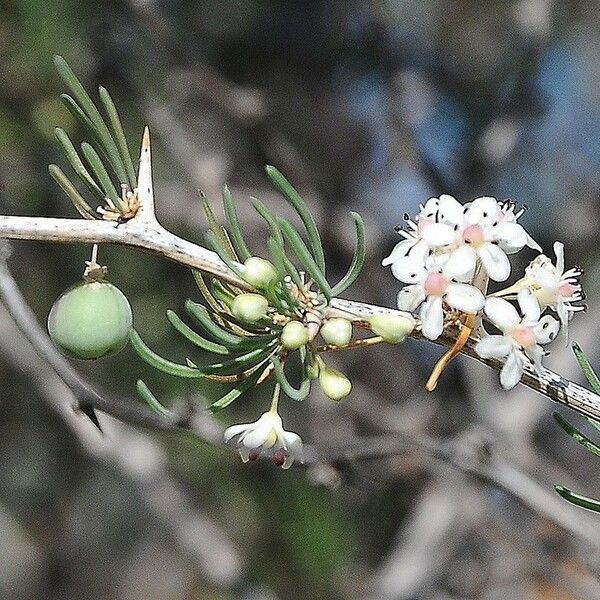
366, 106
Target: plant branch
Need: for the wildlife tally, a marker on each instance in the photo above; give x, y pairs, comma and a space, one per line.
144, 232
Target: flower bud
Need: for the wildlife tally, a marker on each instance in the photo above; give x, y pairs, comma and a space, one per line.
337, 332
335, 385
294, 335
258, 272
249, 307
394, 329
90, 320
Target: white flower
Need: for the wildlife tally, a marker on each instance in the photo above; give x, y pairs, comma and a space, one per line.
553, 286
413, 233
510, 216
266, 437
432, 281
521, 337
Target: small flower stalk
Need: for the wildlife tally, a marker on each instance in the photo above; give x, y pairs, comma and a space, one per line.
449, 255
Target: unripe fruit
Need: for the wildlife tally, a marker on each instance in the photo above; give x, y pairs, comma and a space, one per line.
91, 320
392, 328
337, 332
294, 335
249, 307
258, 272
335, 385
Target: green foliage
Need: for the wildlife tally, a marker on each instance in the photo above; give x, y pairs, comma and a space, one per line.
109, 164
580, 437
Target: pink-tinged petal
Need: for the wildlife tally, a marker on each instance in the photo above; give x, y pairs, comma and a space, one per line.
400, 250
546, 329
482, 211
432, 318
512, 371
511, 237
410, 297
450, 210
408, 270
495, 261
464, 297
438, 235
494, 346
461, 264
530, 307
559, 251
502, 314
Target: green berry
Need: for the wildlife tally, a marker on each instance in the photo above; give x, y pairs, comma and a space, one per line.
337, 332
258, 272
249, 307
294, 335
335, 385
394, 329
91, 320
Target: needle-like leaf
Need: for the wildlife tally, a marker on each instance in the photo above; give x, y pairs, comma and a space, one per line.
84, 209
196, 339
294, 198
578, 499
299, 394
586, 368
237, 237
235, 393
579, 437
118, 135
357, 260
150, 399
101, 173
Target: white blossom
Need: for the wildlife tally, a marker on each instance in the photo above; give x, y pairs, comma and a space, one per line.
553, 286
266, 437
521, 337
433, 281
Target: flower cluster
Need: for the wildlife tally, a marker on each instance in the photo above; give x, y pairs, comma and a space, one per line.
447, 257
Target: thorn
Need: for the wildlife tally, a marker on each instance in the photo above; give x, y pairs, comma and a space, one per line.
146, 139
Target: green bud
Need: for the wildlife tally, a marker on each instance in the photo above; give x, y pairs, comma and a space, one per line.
337, 332
90, 320
394, 329
258, 272
249, 307
335, 385
294, 335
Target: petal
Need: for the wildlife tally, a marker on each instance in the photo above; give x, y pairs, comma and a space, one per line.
546, 329
502, 314
234, 430
438, 235
494, 346
465, 297
451, 210
511, 237
244, 453
461, 264
482, 211
495, 261
432, 318
512, 371
399, 251
535, 353
295, 449
531, 243
408, 270
410, 297
559, 251
430, 209
529, 305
